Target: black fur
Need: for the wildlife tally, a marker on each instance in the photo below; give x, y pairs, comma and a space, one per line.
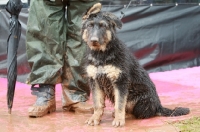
133, 82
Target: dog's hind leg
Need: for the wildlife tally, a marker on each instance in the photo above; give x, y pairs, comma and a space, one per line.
120, 104
98, 103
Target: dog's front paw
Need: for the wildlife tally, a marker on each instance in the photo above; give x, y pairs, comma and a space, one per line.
118, 122
93, 121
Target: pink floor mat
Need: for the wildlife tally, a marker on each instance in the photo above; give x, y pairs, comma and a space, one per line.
175, 88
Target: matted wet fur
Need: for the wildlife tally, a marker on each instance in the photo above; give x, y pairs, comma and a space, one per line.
114, 73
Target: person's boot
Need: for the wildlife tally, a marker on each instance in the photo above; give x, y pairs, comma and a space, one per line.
45, 102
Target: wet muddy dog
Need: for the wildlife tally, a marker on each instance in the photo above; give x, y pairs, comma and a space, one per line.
114, 73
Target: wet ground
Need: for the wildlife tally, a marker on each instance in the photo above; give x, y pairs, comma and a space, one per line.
175, 88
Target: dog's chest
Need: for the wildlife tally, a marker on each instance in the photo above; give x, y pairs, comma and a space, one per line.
110, 71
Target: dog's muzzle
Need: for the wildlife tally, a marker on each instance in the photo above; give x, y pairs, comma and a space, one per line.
95, 40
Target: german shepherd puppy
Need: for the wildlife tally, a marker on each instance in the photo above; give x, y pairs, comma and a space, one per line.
114, 73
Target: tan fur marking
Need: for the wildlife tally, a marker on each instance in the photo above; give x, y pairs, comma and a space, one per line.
91, 71
85, 34
112, 72
99, 104
99, 97
119, 108
116, 94
109, 37
103, 47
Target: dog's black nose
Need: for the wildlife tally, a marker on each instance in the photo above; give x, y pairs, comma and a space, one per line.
94, 39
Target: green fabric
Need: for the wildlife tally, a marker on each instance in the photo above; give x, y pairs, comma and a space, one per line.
46, 39
75, 46
54, 45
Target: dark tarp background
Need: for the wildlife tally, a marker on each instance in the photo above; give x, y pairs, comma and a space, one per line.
162, 37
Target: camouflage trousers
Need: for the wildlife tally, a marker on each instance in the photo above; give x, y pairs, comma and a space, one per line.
54, 46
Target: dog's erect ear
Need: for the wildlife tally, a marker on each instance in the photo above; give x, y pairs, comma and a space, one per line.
113, 19
96, 8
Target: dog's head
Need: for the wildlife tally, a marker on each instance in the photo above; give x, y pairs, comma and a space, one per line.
98, 27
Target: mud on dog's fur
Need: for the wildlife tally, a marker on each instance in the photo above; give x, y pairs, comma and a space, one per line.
114, 73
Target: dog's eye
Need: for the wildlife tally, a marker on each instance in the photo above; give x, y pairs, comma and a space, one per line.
102, 25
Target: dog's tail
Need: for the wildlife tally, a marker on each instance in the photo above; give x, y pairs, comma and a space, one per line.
178, 111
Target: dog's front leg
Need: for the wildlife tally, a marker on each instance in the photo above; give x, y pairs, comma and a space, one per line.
120, 103
98, 103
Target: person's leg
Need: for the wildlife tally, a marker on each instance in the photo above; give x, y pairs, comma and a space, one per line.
45, 40
75, 88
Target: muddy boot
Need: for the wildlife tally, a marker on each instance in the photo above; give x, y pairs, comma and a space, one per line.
80, 107
45, 102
